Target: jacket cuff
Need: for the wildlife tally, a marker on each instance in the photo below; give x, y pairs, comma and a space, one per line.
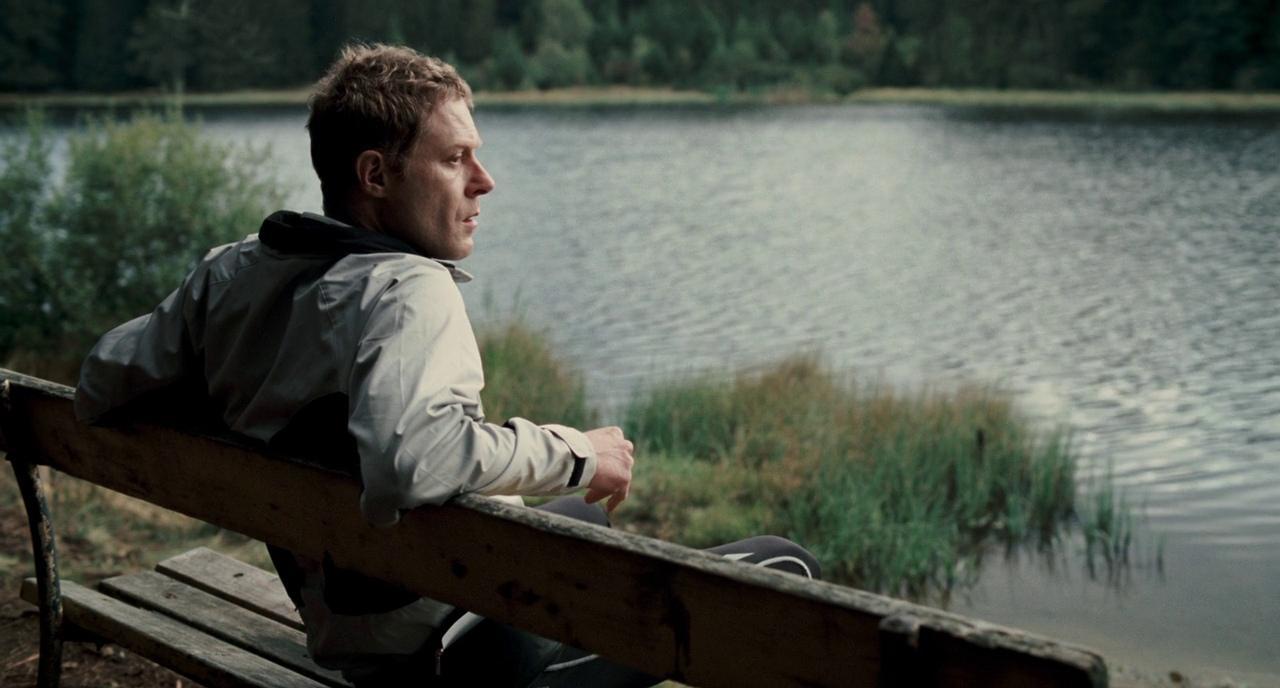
584, 455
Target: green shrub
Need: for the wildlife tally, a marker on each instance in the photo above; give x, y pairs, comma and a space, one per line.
106, 239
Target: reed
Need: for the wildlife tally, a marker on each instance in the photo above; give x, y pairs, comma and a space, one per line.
524, 378
898, 493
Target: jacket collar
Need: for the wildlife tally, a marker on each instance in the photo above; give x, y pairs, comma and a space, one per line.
293, 233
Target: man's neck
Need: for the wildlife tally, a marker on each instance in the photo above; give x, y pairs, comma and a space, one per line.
346, 216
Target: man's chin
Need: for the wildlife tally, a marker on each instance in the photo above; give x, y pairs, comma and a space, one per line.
460, 251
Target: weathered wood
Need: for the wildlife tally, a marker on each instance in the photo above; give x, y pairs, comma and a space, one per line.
193, 654
234, 581
656, 606
220, 619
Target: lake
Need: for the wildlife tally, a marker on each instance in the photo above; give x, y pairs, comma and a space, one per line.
1120, 277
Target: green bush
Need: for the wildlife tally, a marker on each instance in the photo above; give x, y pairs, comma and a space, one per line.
106, 239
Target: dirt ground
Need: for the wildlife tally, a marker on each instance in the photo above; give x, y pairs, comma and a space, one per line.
84, 665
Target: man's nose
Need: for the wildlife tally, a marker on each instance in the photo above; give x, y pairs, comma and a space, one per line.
481, 182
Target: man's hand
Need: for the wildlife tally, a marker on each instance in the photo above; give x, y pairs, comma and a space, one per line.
614, 458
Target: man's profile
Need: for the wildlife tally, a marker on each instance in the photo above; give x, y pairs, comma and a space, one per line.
344, 337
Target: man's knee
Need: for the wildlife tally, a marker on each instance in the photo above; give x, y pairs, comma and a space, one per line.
574, 507
783, 554
771, 551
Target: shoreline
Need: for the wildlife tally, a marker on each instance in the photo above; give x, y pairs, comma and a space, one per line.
1190, 102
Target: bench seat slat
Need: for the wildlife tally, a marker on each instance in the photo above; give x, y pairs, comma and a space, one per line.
204, 659
239, 583
221, 619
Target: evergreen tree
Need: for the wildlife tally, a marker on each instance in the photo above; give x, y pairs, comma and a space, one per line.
161, 44
476, 34
249, 43
565, 22
796, 37
510, 67
29, 38
101, 33
826, 38
1180, 44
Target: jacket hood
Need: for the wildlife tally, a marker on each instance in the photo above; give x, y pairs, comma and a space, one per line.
292, 233
287, 231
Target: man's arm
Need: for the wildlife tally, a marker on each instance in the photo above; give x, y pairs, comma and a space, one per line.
414, 391
144, 355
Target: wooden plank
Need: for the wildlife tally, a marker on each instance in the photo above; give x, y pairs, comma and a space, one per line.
235, 581
220, 619
189, 652
659, 607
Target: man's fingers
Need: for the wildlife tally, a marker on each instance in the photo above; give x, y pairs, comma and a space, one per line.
615, 498
615, 456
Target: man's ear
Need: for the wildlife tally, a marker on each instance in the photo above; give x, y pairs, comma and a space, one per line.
372, 173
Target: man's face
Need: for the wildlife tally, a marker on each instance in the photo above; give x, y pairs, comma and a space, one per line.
433, 203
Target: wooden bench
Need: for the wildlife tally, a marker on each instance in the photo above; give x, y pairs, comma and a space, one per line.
667, 609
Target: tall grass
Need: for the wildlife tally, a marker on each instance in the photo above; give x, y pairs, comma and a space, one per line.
524, 378
898, 493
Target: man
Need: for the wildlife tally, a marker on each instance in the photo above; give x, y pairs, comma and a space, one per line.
344, 338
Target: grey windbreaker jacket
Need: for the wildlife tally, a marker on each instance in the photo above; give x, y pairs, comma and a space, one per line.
313, 310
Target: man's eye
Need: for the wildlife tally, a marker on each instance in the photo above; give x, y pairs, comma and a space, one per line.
455, 159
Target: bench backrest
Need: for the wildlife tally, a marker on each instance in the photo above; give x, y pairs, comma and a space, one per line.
671, 610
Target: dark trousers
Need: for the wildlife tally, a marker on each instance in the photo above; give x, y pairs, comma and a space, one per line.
498, 655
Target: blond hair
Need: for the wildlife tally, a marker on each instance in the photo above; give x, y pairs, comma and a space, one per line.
374, 97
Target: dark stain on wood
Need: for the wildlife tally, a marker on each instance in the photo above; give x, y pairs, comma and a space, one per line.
511, 591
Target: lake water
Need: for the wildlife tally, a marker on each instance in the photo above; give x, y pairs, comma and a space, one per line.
1120, 277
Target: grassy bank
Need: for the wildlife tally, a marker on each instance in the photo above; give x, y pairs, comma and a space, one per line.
897, 492
894, 492
1171, 102
1154, 102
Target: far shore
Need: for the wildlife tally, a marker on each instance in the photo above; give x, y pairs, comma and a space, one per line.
1200, 102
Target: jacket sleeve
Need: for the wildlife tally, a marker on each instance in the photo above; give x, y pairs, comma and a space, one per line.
414, 393
143, 355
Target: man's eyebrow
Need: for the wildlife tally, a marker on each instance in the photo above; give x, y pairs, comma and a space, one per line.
466, 144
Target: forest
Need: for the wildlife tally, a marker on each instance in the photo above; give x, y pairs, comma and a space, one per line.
834, 46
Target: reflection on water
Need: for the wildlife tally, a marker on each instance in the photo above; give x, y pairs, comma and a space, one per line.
1121, 277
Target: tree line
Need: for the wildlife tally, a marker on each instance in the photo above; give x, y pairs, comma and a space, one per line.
826, 45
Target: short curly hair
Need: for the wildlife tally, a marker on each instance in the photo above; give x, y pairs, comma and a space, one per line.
374, 97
